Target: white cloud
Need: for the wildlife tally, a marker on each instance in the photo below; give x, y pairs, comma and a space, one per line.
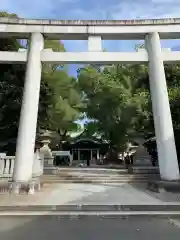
35, 8
81, 9
146, 9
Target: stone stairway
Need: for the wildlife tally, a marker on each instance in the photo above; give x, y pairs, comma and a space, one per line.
101, 175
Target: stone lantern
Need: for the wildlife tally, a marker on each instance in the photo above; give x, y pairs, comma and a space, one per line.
45, 140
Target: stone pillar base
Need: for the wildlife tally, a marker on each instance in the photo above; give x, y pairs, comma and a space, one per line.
49, 167
164, 186
24, 187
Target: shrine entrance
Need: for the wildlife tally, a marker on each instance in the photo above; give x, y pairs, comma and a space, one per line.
87, 151
151, 31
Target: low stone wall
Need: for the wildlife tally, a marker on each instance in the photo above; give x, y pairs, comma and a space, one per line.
7, 166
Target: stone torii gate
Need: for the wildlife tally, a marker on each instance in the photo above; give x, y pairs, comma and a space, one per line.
94, 32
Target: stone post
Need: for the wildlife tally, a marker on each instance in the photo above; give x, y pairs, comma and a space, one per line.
167, 156
97, 154
79, 156
94, 44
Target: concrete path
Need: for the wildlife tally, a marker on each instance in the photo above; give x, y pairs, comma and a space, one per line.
99, 194
57, 194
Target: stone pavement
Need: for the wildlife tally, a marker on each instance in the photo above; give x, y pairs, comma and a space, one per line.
124, 193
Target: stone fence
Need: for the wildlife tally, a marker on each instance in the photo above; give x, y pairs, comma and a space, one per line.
7, 166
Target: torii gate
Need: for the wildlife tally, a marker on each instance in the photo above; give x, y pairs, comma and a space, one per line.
94, 32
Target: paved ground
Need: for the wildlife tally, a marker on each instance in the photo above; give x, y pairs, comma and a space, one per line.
118, 194
124, 193
87, 228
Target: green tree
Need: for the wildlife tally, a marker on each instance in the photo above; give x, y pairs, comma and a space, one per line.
59, 98
11, 87
109, 94
65, 106
11, 90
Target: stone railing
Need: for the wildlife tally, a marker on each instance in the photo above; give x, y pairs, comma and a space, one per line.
7, 166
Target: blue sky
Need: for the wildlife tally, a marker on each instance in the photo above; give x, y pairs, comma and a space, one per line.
96, 9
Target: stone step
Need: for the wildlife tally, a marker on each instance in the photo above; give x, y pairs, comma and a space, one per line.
143, 169
88, 177
92, 208
103, 181
90, 174
86, 180
99, 178
100, 171
122, 176
92, 170
94, 167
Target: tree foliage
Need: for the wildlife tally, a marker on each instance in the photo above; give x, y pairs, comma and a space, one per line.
60, 101
65, 106
118, 99
113, 99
